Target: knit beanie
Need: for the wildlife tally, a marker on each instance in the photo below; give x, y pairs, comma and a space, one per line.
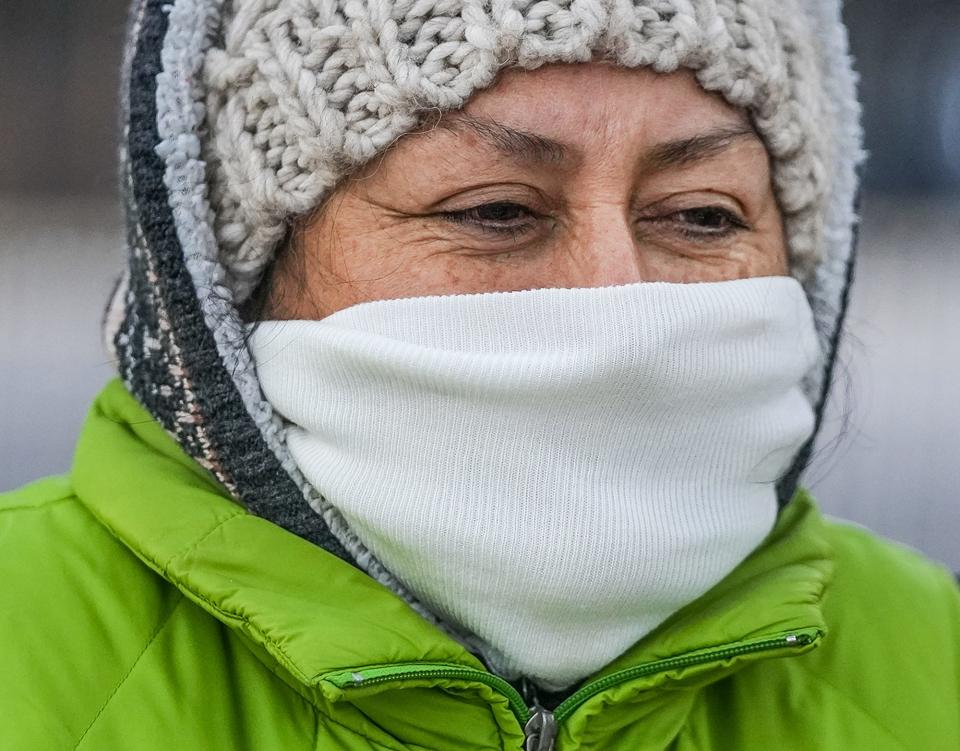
301, 92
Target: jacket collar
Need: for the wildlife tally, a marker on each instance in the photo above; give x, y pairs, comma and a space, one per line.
315, 614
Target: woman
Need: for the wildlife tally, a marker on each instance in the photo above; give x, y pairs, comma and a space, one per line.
470, 355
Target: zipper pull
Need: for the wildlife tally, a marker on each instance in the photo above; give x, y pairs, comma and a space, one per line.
540, 730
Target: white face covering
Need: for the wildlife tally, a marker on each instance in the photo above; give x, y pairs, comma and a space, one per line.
556, 471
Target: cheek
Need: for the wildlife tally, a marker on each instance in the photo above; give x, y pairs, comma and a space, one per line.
763, 259
771, 246
392, 261
763, 255
714, 267
754, 253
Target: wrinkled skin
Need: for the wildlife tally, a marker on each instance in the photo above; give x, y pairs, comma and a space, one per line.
565, 176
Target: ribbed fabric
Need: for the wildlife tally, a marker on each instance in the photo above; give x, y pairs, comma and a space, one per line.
556, 471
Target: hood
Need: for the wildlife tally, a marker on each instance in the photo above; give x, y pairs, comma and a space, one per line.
175, 329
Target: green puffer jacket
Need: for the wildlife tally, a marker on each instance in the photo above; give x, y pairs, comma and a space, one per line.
141, 608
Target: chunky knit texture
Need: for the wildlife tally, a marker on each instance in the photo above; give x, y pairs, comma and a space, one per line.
555, 471
300, 92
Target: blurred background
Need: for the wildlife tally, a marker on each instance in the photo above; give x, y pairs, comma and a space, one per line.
889, 457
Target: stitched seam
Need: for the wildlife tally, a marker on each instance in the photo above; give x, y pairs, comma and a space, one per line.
274, 668
241, 619
228, 615
162, 625
43, 506
196, 596
199, 541
849, 700
332, 721
189, 592
319, 711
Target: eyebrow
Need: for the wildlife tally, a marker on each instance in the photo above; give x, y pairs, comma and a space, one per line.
697, 148
532, 147
511, 142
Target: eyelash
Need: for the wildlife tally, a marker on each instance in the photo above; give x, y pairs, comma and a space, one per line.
734, 223
701, 233
470, 217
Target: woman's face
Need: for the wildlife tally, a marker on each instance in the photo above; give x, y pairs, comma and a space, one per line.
565, 176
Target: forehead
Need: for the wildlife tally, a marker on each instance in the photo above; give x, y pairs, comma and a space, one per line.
596, 103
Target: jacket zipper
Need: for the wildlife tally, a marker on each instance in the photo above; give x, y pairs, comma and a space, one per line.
539, 724
373, 676
796, 639
540, 730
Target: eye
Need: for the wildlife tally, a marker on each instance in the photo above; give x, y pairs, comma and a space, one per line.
707, 222
501, 217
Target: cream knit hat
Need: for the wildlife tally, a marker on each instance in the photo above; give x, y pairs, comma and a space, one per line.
301, 92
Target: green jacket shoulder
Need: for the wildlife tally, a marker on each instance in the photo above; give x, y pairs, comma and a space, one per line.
99, 652
887, 675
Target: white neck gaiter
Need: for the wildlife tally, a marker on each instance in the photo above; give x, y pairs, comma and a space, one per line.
556, 471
